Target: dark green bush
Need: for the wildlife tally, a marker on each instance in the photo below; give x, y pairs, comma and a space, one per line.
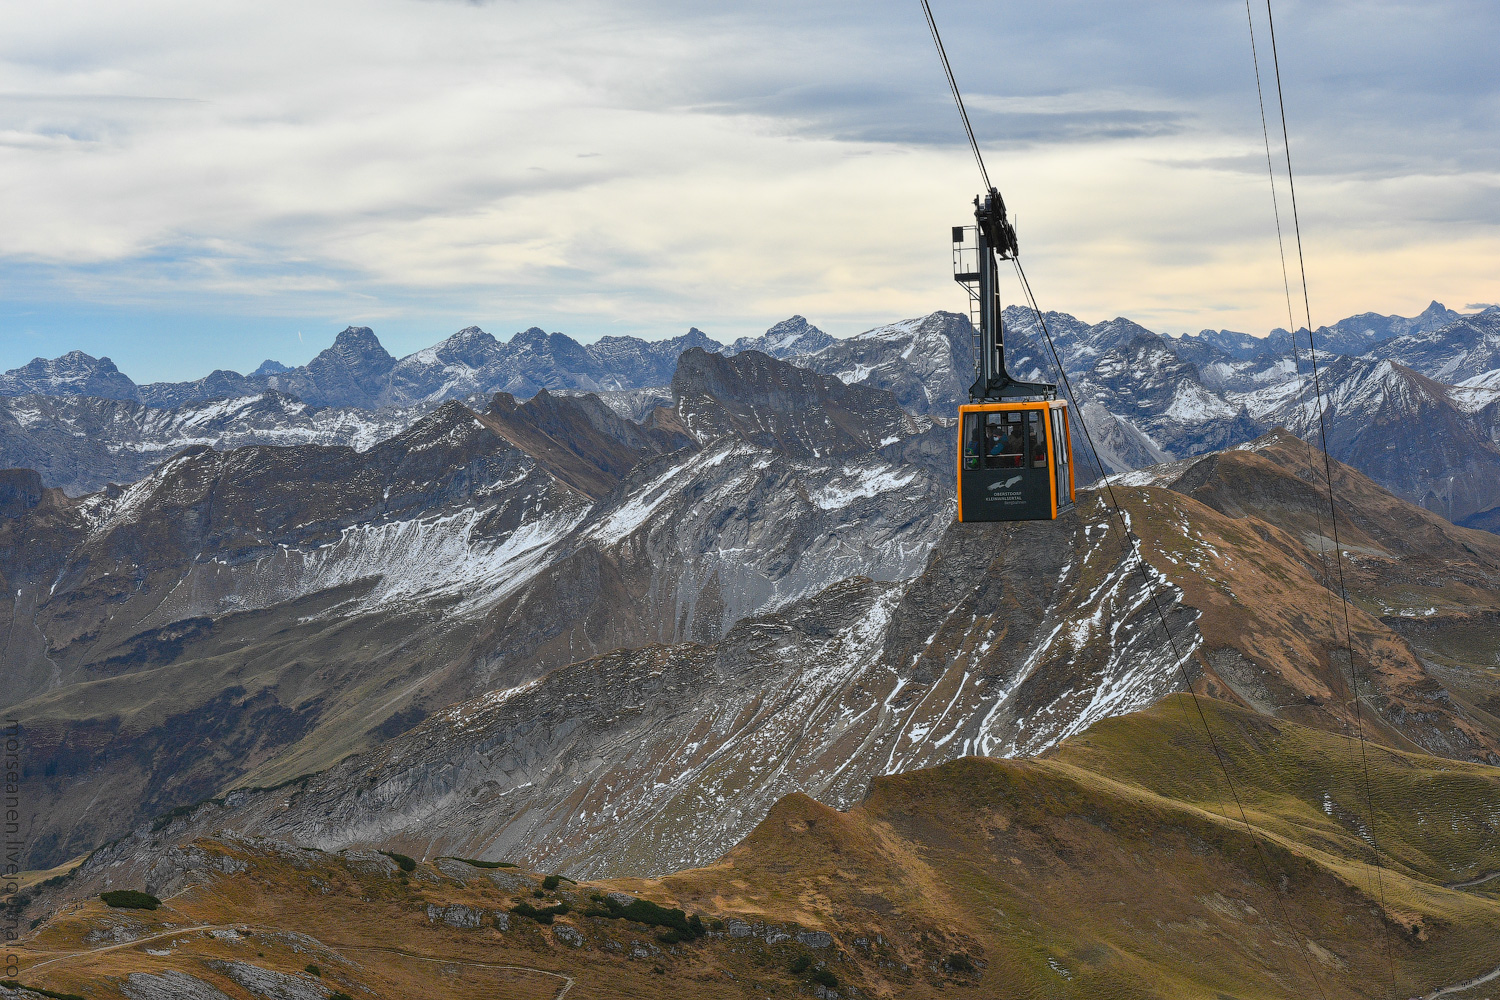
551, 882
800, 964
313, 970
824, 978
958, 962
679, 926
485, 864
542, 915
336, 995
57, 880
130, 899
402, 861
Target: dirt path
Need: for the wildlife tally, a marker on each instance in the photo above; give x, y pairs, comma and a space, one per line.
563, 988
1481, 880
65, 956
562, 991
567, 981
1460, 987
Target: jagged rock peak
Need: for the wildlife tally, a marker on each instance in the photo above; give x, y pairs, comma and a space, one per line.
790, 337
358, 340
530, 335
74, 373
470, 334
450, 415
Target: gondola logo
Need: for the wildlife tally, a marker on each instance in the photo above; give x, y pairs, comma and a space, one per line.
1013, 480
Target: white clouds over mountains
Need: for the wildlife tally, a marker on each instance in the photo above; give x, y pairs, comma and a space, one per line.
605, 167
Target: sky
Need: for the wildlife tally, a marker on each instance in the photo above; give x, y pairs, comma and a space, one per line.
188, 186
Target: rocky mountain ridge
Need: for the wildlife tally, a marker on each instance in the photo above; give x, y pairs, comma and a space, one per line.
357, 371
1146, 398
291, 604
82, 443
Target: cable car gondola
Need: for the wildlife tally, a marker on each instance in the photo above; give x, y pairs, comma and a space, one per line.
1015, 456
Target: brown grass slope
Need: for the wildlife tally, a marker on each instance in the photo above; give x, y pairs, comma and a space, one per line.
1117, 866
1247, 535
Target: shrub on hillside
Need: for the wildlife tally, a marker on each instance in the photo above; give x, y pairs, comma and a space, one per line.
679, 926
542, 915
405, 863
130, 899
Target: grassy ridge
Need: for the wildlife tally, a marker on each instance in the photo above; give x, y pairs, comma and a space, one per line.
1116, 867
1110, 868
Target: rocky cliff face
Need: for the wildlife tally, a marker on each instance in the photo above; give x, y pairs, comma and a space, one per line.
649, 759
790, 338
82, 443
1466, 348
1433, 444
793, 410
927, 363
353, 372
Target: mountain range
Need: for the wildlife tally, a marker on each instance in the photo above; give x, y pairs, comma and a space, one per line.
998, 647
827, 785
1418, 408
511, 675
286, 606
358, 372
308, 599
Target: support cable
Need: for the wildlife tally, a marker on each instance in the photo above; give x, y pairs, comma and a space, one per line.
1134, 552
1309, 407
1332, 504
957, 97
1132, 548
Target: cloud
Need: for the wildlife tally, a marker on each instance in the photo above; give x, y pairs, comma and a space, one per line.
604, 167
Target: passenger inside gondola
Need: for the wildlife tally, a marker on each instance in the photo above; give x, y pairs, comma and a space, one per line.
1038, 436
1004, 448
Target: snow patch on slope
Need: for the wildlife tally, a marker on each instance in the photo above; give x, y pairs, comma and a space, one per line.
858, 484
